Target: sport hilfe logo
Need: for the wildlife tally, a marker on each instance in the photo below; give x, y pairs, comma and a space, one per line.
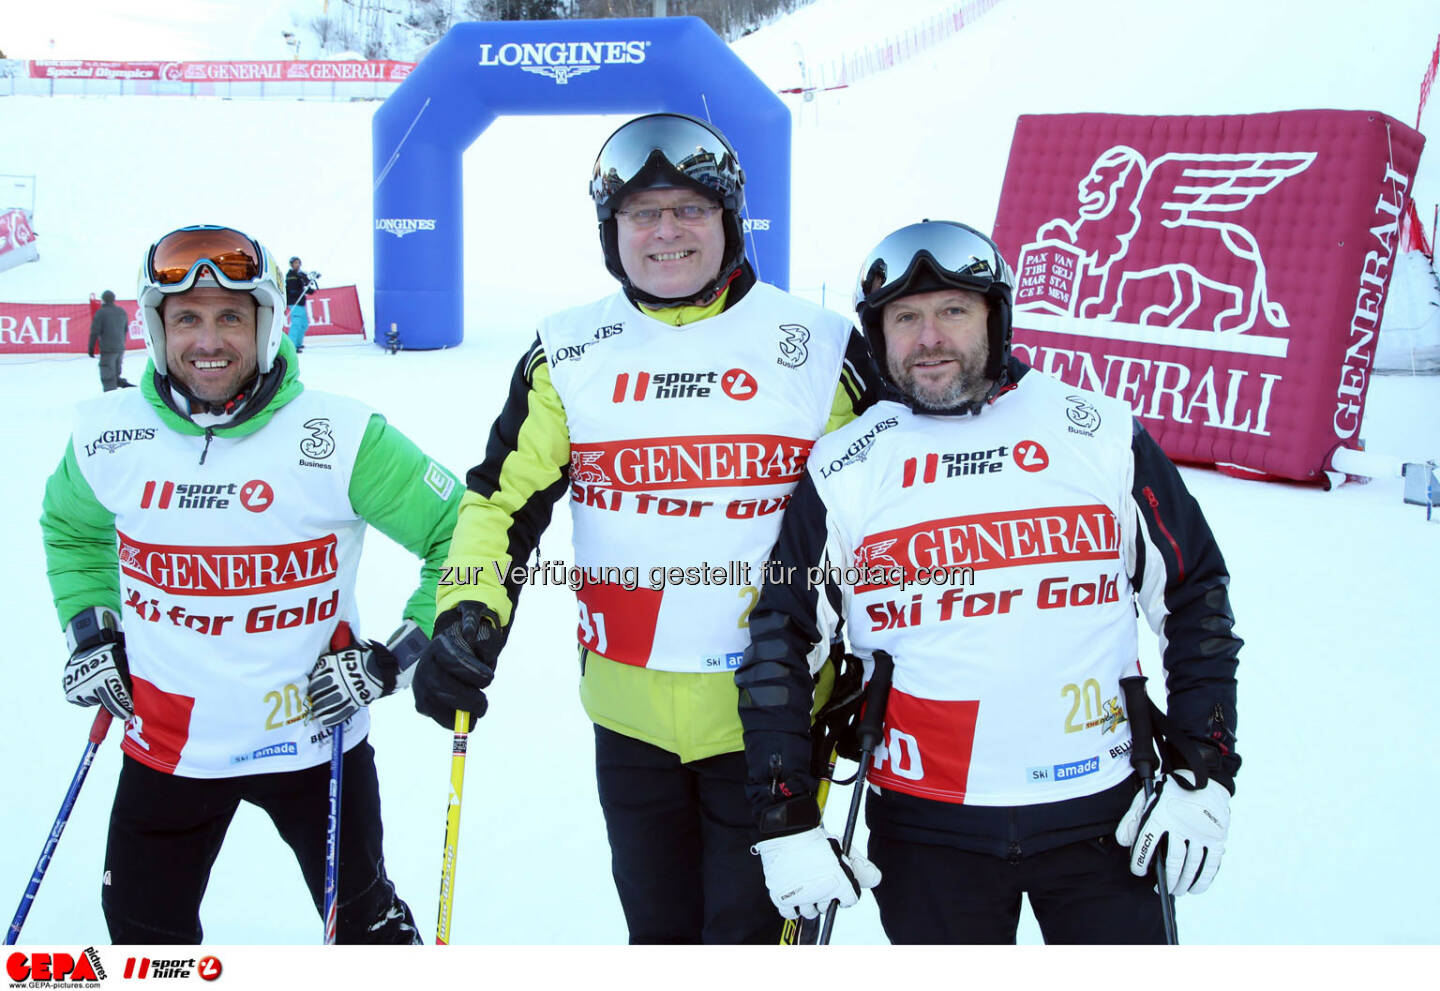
141, 968
255, 495
736, 383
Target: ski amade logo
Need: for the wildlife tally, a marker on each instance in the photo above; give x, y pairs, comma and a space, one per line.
562, 60
46, 969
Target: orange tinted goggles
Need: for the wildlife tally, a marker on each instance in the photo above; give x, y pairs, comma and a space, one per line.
236, 256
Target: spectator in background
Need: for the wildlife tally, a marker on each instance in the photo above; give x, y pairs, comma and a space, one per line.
298, 285
107, 327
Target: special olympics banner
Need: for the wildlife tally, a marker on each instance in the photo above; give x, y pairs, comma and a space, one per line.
278, 70
333, 311
17, 239
1225, 276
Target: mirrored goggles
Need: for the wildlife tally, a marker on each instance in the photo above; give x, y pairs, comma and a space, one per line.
685, 145
957, 252
233, 258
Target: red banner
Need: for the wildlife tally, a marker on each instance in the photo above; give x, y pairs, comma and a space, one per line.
82, 69
56, 328
333, 311
64, 328
279, 70
1181, 264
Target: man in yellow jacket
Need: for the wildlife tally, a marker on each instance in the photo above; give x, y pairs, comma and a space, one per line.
677, 415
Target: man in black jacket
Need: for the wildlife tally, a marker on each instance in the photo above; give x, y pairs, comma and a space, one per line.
298, 285
107, 328
994, 531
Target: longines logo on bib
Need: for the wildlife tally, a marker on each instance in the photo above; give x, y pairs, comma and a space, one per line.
563, 60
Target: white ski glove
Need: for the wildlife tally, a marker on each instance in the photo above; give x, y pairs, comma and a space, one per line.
97, 672
1195, 823
350, 677
805, 872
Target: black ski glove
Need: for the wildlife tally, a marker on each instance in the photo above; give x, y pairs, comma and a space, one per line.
458, 663
97, 672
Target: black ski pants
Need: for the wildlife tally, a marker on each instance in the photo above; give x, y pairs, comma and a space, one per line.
166, 831
680, 838
1082, 892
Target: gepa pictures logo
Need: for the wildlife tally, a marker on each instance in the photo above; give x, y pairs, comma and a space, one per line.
44, 969
562, 60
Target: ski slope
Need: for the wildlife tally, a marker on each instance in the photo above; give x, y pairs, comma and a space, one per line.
1339, 692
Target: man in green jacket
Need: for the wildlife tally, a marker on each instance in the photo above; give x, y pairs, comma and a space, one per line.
202, 536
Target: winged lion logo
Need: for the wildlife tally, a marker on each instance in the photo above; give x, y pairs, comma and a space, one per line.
1196, 264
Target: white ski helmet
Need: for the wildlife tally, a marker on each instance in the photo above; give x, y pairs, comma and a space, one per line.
205, 255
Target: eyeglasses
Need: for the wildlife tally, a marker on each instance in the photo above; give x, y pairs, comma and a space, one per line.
234, 258
966, 257
689, 214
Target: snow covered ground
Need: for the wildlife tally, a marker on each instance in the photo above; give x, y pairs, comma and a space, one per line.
1339, 695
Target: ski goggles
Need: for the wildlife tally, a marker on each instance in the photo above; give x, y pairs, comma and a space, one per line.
962, 256
649, 147
234, 259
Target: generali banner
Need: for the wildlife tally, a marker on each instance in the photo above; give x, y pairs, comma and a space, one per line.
64, 328
1225, 276
333, 311
278, 70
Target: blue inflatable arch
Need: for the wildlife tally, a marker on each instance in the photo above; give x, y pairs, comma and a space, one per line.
482, 70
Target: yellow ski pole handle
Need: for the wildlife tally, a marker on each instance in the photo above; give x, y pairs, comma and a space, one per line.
795, 932
452, 828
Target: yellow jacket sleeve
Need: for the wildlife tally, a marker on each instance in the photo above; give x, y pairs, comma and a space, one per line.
510, 494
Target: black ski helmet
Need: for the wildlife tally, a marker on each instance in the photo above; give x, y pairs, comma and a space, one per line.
930, 256
669, 151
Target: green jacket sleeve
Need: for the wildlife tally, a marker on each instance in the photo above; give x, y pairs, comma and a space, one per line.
81, 560
400, 491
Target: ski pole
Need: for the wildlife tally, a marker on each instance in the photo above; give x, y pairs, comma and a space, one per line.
848, 693
802, 931
872, 728
452, 828
98, 729
338, 641
1145, 763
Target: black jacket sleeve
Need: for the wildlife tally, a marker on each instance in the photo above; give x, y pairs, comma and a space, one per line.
1183, 588
777, 688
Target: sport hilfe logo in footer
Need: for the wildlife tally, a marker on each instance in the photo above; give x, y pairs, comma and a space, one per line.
43, 969
206, 968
